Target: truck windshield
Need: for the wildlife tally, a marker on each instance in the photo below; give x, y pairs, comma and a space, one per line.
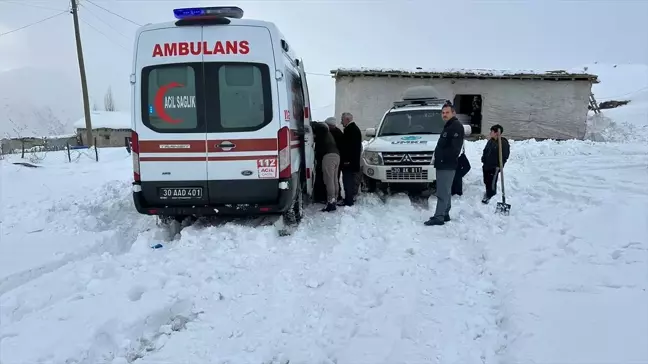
412, 122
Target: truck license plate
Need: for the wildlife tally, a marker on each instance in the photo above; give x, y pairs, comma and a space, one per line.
407, 169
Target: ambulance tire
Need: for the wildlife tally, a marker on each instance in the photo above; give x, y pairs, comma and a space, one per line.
295, 214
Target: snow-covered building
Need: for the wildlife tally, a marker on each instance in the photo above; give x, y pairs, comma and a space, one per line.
109, 128
527, 104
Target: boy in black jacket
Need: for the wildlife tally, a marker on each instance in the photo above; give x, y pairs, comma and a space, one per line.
490, 161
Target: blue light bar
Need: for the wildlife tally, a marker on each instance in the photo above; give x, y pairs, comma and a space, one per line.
216, 11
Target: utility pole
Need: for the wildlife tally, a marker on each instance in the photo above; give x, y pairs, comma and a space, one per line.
84, 82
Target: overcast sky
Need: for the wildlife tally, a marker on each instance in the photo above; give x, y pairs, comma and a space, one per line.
538, 34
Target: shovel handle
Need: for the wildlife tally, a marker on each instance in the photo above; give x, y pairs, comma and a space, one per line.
501, 165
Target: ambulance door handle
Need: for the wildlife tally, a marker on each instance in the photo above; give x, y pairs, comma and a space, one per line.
227, 145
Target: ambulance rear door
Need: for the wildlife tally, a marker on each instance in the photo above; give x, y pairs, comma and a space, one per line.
170, 126
241, 112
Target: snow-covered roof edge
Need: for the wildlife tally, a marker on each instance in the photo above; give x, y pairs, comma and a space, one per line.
106, 120
557, 75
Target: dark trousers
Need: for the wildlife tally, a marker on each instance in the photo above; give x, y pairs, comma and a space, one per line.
349, 179
319, 189
444, 180
490, 181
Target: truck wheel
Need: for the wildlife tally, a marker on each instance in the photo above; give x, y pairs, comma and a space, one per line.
368, 185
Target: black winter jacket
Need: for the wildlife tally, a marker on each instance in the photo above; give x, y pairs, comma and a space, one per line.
490, 155
351, 148
324, 142
448, 148
338, 135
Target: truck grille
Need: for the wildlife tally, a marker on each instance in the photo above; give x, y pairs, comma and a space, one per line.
403, 176
407, 159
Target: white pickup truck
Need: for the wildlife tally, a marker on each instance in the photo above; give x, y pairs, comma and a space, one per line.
400, 154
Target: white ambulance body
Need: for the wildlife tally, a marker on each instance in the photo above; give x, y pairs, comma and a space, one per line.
221, 118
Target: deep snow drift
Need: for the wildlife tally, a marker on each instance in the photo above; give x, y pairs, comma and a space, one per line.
369, 284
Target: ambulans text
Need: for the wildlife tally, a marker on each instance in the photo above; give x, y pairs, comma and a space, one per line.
198, 48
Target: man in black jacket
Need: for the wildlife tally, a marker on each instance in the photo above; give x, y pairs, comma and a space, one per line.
446, 161
350, 157
338, 135
490, 161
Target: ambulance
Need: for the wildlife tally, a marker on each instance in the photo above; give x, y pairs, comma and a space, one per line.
221, 119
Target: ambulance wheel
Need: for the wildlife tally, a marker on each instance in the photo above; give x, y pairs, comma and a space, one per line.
295, 214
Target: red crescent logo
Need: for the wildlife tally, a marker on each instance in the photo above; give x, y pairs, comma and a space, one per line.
158, 103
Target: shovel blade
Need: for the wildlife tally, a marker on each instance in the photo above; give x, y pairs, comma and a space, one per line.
503, 208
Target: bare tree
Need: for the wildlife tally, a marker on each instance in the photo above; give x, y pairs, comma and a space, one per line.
109, 100
95, 107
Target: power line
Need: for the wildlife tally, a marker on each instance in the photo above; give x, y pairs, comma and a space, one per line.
113, 13
28, 4
104, 34
32, 24
319, 74
103, 21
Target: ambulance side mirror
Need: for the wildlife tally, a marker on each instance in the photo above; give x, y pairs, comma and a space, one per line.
370, 132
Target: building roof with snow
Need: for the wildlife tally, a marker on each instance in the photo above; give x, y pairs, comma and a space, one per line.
557, 75
106, 120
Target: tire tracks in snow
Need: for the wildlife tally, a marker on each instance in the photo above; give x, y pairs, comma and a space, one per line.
327, 299
109, 215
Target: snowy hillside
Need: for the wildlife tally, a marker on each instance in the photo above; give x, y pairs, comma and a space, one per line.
39, 102
622, 82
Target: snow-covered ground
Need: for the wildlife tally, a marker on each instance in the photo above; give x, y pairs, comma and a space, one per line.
563, 279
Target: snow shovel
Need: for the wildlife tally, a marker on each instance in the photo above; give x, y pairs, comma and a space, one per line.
502, 207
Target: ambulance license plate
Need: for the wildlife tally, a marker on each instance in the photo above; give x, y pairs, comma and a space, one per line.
180, 193
407, 169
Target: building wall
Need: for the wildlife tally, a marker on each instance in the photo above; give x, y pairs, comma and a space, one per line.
525, 108
106, 137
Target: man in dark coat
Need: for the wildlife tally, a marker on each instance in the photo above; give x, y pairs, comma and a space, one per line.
338, 135
350, 157
490, 160
446, 161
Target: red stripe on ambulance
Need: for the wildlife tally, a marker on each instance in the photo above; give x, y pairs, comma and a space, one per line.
198, 48
211, 146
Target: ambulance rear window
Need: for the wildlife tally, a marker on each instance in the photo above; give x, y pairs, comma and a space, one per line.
244, 96
170, 98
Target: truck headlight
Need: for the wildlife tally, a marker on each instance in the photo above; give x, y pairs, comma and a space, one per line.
372, 158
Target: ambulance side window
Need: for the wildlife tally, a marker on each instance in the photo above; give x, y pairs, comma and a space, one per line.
169, 98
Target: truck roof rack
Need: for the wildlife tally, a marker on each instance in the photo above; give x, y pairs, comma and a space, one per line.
433, 101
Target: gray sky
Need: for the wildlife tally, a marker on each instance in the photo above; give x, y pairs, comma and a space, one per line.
539, 34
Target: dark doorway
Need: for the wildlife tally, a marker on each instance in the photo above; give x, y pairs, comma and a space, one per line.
469, 110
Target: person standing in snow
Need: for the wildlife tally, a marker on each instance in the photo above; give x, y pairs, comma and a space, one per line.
338, 135
446, 162
490, 160
327, 152
350, 156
